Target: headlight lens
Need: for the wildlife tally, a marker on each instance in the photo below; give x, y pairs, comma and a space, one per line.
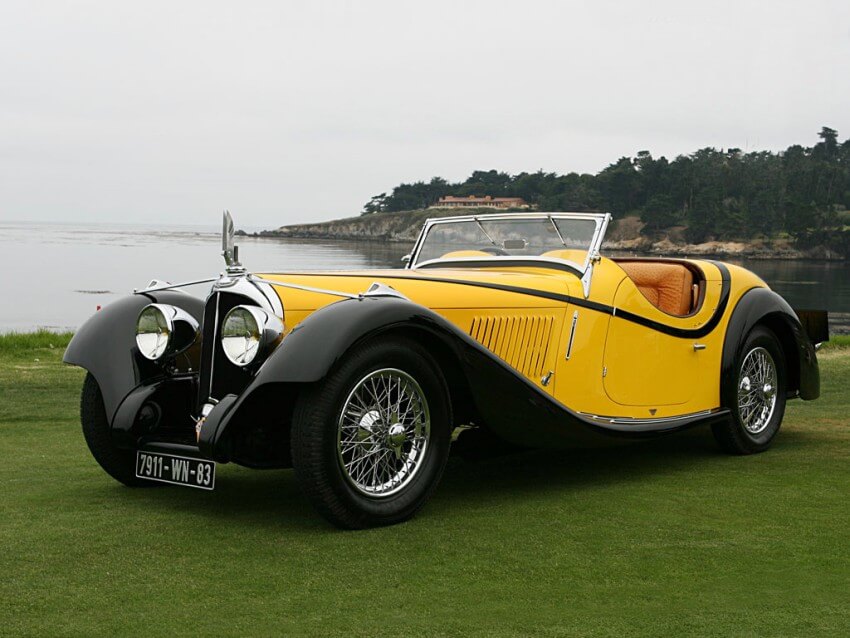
163, 330
240, 336
246, 332
153, 332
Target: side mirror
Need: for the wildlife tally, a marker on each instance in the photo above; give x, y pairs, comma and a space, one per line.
406, 258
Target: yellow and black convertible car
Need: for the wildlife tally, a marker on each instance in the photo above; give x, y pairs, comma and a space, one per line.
513, 324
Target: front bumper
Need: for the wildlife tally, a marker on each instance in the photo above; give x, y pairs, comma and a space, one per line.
158, 416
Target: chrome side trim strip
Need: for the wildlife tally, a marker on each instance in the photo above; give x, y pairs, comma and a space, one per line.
658, 421
622, 426
572, 335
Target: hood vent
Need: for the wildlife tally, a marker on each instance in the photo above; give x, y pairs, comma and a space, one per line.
521, 341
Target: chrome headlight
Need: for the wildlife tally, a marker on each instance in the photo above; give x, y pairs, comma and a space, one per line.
248, 331
163, 329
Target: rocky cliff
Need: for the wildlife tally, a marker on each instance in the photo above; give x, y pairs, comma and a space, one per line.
625, 235
402, 227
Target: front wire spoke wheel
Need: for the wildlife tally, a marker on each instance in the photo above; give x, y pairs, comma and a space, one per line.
371, 441
383, 432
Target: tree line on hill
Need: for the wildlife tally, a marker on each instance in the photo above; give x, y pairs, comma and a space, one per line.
803, 192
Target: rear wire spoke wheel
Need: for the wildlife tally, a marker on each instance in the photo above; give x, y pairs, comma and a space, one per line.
757, 390
371, 440
757, 399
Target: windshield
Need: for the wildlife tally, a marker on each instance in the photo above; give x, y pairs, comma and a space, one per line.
524, 235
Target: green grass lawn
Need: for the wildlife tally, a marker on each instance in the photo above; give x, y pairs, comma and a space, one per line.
667, 537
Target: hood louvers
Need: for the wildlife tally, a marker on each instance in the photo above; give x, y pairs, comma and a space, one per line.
521, 341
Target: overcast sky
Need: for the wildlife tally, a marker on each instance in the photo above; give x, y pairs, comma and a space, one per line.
299, 111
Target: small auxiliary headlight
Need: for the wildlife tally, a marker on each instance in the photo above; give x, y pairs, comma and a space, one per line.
248, 331
153, 332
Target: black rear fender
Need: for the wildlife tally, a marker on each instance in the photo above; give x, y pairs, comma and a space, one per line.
761, 306
815, 323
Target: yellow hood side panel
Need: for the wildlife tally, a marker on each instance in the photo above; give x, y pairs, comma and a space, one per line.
418, 287
523, 330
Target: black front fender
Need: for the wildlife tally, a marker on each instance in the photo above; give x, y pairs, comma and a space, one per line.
763, 306
105, 345
314, 346
312, 349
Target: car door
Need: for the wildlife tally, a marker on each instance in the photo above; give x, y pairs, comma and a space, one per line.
643, 365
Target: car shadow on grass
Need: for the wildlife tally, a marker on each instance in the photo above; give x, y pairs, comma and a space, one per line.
272, 498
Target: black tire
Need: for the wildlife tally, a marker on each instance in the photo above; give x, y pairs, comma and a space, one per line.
733, 435
317, 459
119, 464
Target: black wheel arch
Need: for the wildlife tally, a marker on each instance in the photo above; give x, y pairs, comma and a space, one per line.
762, 306
314, 349
105, 345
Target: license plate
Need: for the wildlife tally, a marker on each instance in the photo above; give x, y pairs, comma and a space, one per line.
179, 470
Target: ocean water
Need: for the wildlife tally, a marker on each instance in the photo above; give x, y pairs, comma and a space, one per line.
56, 275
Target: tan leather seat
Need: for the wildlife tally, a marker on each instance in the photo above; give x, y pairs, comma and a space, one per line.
668, 287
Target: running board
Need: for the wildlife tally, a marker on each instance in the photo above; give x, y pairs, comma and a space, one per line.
627, 425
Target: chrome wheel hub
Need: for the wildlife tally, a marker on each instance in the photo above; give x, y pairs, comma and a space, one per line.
396, 437
383, 432
757, 390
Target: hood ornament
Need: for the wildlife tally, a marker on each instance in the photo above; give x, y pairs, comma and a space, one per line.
229, 250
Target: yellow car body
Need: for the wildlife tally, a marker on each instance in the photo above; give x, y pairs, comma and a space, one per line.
616, 367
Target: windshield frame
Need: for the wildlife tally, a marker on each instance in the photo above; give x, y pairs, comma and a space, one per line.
600, 219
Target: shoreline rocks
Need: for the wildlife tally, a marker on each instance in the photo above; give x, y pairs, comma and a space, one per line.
404, 227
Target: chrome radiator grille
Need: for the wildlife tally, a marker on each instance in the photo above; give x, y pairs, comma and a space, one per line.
521, 341
218, 376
